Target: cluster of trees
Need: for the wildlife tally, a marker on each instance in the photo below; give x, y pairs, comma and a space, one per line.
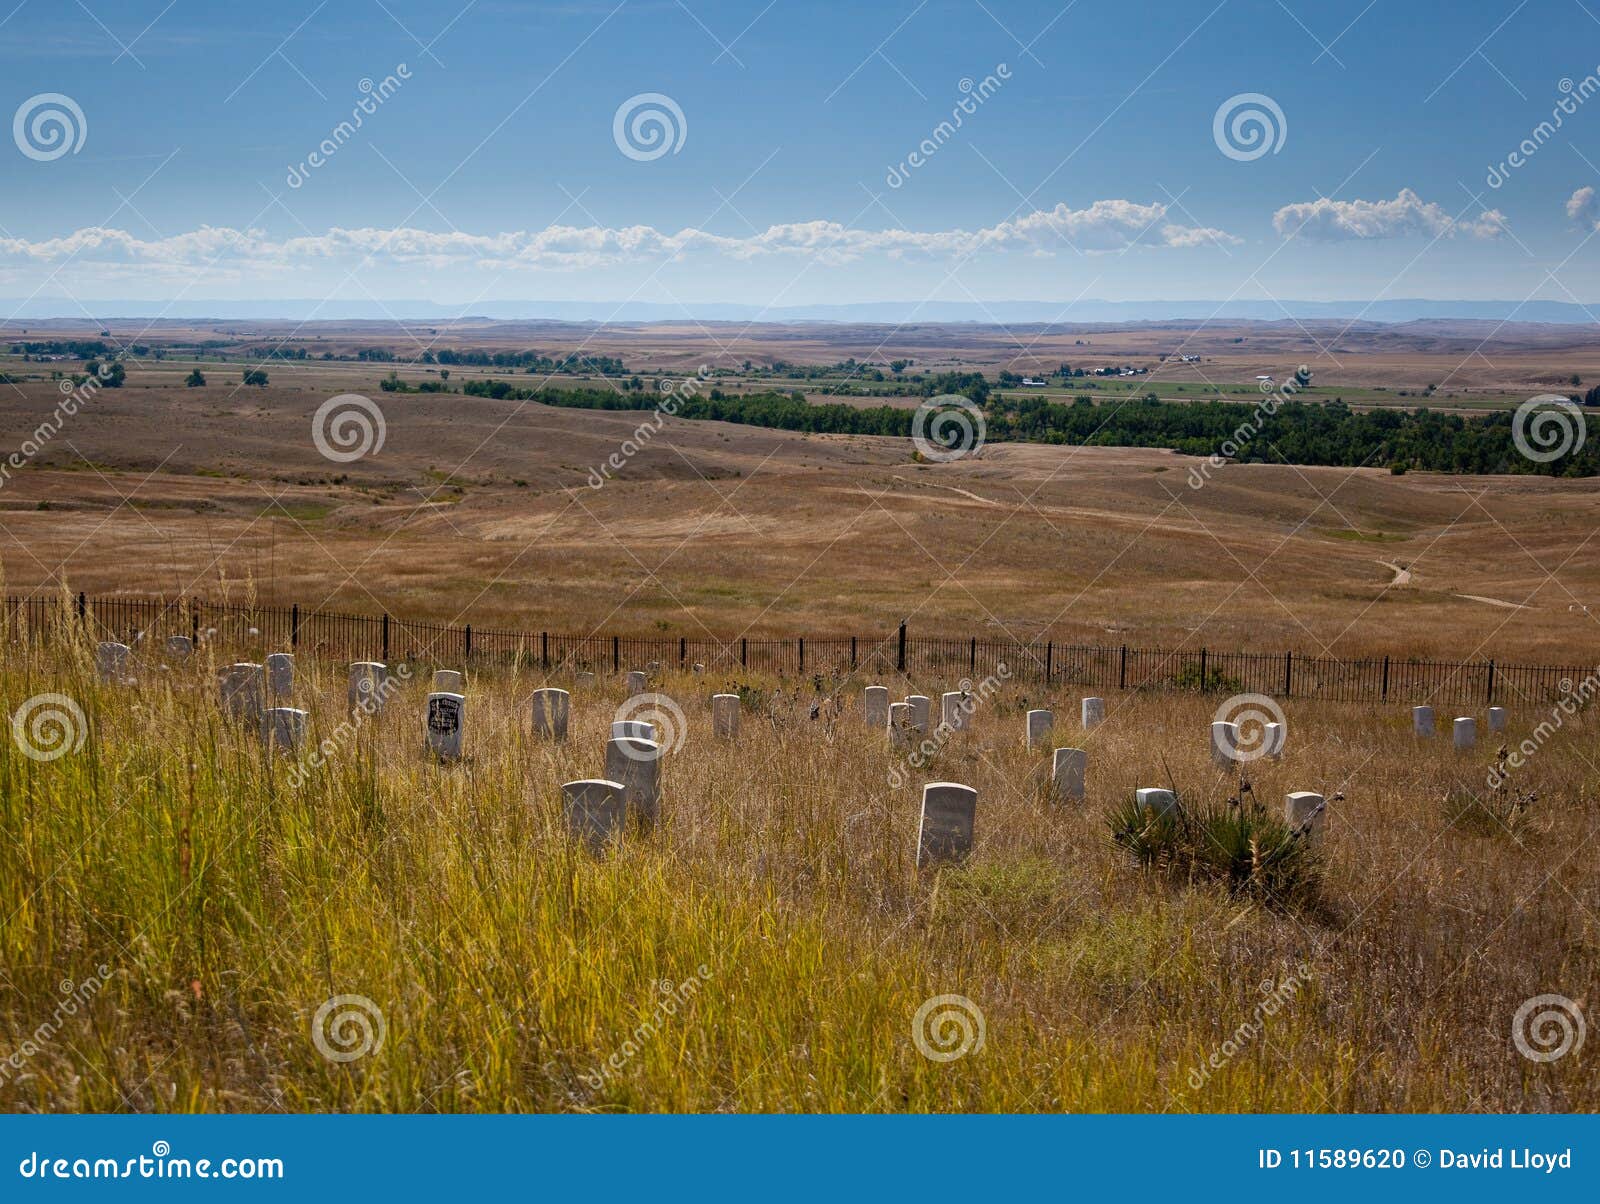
393, 384
110, 377
1298, 433
78, 349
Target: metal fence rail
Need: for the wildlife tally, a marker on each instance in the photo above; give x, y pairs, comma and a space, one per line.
249, 628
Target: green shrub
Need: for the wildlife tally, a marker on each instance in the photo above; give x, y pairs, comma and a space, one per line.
1237, 842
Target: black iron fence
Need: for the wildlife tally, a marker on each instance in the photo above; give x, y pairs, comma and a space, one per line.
249, 628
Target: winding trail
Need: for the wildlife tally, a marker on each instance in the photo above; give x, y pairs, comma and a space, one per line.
1401, 576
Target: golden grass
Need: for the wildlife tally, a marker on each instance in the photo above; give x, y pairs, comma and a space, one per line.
516, 972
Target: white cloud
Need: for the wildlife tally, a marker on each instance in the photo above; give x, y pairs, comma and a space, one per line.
1104, 226
1581, 208
1407, 216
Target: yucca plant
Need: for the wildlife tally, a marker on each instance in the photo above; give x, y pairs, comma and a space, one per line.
1237, 842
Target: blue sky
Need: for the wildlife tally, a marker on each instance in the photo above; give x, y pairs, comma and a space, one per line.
1089, 168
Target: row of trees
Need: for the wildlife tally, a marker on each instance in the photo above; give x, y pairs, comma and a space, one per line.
1298, 433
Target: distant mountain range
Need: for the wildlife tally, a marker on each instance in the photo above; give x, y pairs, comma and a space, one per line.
1033, 312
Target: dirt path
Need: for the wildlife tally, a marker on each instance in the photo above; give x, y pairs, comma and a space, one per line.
1494, 601
1401, 576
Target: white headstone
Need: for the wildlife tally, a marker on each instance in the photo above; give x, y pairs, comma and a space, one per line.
280, 675
653, 668
1155, 798
920, 705
1497, 719
1304, 811
595, 809
633, 729
583, 678
180, 647
445, 724
550, 710
1040, 724
1067, 774
953, 713
449, 681
636, 682
1422, 720
364, 689
111, 660
240, 687
945, 833
875, 705
636, 763
699, 667
1466, 732
1225, 744
1094, 712
1274, 736
900, 724
284, 728
725, 715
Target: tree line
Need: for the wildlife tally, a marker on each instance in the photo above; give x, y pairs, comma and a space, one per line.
1327, 433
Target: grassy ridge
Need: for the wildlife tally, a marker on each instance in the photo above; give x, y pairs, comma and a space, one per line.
514, 972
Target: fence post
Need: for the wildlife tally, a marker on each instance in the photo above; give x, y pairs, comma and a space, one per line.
466, 655
194, 623
972, 658
544, 649
616, 654
83, 608
1288, 669
386, 637
802, 640
852, 653
1491, 682
744, 653
1049, 660
683, 651
294, 626
1202, 670
1386, 678
900, 660
1122, 673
